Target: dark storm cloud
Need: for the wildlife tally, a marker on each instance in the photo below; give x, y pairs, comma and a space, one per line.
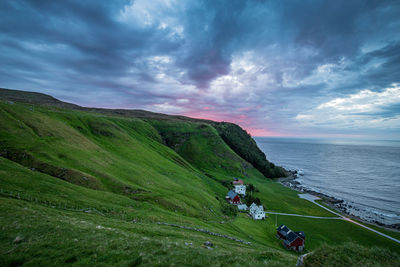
75, 45
388, 72
260, 63
98, 43
214, 30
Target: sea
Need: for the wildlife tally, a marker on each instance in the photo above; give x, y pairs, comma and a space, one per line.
365, 174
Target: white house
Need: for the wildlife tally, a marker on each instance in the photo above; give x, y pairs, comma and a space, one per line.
240, 189
242, 207
256, 212
252, 207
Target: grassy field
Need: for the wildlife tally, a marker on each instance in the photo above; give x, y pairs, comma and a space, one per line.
350, 254
53, 237
84, 187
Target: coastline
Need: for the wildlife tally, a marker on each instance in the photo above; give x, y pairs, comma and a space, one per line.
335, 204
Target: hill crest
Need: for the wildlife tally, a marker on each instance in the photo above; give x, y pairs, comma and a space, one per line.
233, 135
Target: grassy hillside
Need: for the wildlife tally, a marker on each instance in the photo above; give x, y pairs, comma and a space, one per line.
351, 254
48, 221
88, 186
233, 135
245, 146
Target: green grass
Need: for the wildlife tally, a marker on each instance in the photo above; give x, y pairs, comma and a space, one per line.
350, 254
56, 237
94, 169
320, 231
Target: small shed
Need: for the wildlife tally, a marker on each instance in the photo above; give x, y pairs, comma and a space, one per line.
242, 207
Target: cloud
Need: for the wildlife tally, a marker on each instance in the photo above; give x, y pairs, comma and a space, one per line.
365, 101
257, 63
166, 108
365, 109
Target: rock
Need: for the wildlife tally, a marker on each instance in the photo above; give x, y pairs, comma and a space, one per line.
208, 244
300, 259
18, 239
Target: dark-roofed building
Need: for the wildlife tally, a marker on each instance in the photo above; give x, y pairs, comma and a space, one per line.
291, 240
301, 234
282, 231
233, 198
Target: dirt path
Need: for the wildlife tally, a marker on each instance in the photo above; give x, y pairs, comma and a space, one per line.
304, 216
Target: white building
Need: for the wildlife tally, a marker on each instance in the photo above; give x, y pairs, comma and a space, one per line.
256, 212
242, 207
240, 189
252, 207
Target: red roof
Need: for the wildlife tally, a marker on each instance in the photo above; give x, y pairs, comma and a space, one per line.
233, 197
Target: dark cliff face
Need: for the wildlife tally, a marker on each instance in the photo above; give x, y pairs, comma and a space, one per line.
233, 135
244, 145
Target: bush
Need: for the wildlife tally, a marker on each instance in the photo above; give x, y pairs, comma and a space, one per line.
250, 200
227, 209
227, 184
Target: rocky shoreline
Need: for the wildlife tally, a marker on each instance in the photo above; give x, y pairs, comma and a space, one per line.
337, 204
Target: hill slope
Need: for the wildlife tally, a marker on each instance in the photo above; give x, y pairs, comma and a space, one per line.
84, 186
234, 136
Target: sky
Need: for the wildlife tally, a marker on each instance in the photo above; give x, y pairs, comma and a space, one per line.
277, 68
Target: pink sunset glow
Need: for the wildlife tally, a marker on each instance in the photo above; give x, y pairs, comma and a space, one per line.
242, 120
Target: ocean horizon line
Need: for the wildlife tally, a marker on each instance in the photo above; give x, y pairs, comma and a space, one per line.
335, 141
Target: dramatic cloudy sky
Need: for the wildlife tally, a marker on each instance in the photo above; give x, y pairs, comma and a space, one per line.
293, 68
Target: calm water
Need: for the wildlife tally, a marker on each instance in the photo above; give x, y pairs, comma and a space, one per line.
366, 175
